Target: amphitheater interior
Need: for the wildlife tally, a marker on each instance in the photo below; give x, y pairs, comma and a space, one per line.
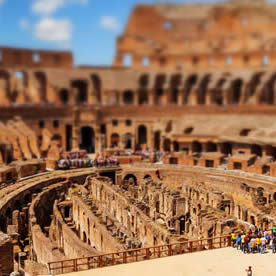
179, 130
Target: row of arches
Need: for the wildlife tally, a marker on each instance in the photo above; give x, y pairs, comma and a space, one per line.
87, 138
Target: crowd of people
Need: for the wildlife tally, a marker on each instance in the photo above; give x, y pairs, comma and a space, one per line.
257, 241
81, 160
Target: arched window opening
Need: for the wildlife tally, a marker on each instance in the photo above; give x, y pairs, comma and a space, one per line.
196, 147
253, 84
87, 139
175, 146
41, 85
128, 140
245, 132
201, 93
97, 85
188, 130
115, 140
267, 96
128, 97
64, 96
157, 140
145, 61
211, 147
228, 60
127, 60
167, 145
143, 96
256, 149
236, 92
189, 84
142, 135
265, 60
144, 80
80, 91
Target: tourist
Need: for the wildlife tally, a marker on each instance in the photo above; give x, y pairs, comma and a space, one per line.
274, 243
233, 235
249, 271
243, 242
258, 244
239, 241
263, 244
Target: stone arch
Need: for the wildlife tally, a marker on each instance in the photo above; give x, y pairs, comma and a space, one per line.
202, 90
217, 92
211, 147
41, 82
144, 80
256, 149
64, 96
189, 84
131, 178
196, 147
80, 91
267, 93
174, 85
159, 88
175, 146
128, 140
226, 148
253, 84
157, 140
97, 85
235, 92
128, 97
143, 97
167, 145
114, 140
142, 135
87, 139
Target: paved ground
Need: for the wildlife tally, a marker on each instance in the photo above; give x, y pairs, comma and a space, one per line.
220, 262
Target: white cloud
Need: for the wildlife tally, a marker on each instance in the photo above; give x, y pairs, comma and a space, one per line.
24, 24
2, 2
55, 30
110, 23
50, 6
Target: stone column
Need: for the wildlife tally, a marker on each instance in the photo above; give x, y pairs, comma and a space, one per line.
151, 97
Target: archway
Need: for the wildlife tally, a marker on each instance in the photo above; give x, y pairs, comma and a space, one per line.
157, 140
97, 85
115, 140
128, 97
211, 147
167, 145
236, 92
128, 140
142, 135
196, 147
131, 179
202, 90
87, 139
143, 96
41, 85
189, 84
256, 149
80, 91
175, 146
64, 96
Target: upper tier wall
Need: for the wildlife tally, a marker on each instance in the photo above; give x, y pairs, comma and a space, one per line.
28, 58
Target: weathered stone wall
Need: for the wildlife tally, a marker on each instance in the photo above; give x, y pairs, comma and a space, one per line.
6, 254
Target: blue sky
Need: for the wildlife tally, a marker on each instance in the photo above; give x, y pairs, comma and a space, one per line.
87, 27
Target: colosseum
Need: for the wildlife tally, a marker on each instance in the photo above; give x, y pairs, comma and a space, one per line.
165, 152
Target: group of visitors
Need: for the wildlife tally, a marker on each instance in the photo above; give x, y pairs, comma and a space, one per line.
81, 160
257, 241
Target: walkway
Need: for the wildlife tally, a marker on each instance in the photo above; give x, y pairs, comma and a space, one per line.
219, 262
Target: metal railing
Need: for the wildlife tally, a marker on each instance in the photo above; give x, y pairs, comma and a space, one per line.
136, 255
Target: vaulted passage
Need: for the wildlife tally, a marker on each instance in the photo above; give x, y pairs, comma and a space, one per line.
87, 139
80, 91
